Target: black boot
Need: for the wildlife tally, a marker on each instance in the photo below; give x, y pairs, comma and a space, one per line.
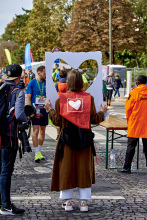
123, 170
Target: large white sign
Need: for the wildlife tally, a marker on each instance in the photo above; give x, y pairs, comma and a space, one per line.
74, 60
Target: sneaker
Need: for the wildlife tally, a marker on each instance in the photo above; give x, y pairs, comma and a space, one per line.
122, 170
110, 106
41, 157
67, 206
83, 206
12, 210
37, 158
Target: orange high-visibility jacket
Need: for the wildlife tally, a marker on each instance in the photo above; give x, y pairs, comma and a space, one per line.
62, 87
136, 112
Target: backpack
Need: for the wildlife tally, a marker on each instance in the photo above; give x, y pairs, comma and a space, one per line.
5, 92
109, 80
32, 76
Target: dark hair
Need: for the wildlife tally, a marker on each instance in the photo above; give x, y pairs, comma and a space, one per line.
62, 73
40, 69
141, 79
74, 80
84, 71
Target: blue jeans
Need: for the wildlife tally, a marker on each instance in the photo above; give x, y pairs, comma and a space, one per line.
117, 91
8, 156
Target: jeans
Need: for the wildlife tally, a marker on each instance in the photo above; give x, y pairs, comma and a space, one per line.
117, 91
8, 156
132, 143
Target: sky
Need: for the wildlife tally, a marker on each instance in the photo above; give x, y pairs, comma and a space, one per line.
8, 9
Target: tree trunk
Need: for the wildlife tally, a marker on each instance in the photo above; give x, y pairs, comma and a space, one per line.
137, 61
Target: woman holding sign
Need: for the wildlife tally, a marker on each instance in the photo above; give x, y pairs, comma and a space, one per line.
74, 157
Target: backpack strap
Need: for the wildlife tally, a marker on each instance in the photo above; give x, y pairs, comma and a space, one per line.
17, 94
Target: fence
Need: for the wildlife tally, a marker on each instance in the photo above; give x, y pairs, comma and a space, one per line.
136, 72
92, 73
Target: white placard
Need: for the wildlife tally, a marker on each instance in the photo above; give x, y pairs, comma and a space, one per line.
74, 60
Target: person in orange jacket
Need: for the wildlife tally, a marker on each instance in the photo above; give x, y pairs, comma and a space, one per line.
61, 85
136, 112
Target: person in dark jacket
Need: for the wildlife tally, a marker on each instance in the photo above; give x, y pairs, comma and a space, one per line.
117, 83
9, 140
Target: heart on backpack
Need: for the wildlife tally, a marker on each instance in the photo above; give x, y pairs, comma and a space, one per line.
76, 105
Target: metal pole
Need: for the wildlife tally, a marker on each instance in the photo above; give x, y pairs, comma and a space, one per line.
110, 32
107, 140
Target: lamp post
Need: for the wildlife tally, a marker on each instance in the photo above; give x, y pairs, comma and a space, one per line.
110, 32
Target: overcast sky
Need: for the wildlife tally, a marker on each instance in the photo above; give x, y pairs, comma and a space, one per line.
8, 9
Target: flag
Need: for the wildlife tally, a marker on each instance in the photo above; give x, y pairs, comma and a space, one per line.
31, 56
27, 57
8, 55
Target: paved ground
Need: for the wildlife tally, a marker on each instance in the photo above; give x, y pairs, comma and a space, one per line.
115, 196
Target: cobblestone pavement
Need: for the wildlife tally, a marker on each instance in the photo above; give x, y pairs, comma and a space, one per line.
115, 195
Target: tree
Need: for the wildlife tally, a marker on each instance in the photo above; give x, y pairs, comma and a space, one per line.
140, 8
89, 27
44, 27
11, 46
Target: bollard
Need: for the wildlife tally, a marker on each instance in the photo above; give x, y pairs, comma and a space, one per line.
129, 82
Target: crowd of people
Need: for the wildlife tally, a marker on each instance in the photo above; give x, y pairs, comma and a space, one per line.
74, 156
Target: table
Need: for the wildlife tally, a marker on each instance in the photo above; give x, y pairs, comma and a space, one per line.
113, 123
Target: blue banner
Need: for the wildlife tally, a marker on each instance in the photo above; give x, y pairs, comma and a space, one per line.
27, 57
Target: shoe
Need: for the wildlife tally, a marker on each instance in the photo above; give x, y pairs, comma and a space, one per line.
110, 106
83, 206
122, 170
37, 158
67, 206
41, 157
12, 210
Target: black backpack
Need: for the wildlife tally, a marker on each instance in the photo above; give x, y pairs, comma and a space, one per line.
109, 80
5, 91
4, 102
